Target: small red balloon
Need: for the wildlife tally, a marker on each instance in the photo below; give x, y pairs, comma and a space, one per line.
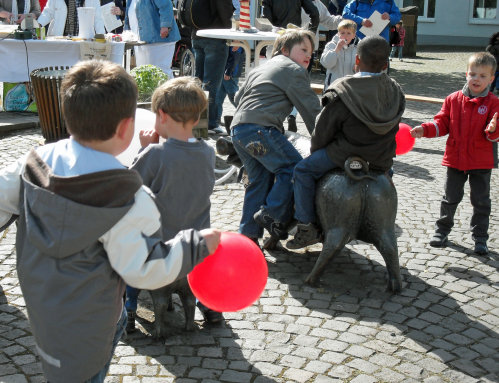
405, 141
233, 277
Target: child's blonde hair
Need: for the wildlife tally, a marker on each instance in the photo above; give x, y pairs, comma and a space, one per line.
290, 38
347, 24
483, 59
182, 98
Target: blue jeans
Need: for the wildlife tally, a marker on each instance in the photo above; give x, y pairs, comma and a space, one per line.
394, 51
305, 177
228, 88
131, 298
269, 160
120, 329
211, 56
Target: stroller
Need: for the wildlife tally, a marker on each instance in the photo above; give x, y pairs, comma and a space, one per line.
183, 58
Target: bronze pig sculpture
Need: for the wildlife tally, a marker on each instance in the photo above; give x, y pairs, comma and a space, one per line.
357, 206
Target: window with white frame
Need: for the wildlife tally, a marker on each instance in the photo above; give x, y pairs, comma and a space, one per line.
484, 10
426, 7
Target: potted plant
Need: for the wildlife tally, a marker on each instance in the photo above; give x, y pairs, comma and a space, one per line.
148, 78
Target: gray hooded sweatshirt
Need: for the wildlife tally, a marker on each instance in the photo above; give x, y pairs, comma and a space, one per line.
77, 238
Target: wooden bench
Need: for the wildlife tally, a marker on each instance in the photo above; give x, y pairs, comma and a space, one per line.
317, 88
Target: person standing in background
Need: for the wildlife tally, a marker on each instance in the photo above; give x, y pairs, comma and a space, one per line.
211, 54
360, 11
397, 40
62, 17
14, 11
153, 21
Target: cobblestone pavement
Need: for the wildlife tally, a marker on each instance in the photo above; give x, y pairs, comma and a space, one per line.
443, 326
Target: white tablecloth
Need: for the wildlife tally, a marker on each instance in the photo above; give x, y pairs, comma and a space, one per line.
19, 57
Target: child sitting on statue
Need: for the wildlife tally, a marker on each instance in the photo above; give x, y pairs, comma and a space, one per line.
360, 117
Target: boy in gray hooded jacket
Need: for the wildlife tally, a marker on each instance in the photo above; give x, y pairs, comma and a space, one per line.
85, 225
360, 117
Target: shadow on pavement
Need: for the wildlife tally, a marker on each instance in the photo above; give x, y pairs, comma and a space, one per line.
411, 171
421, 320
212, 353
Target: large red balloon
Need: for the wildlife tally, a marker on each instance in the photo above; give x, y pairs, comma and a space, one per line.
233, 277
405, 141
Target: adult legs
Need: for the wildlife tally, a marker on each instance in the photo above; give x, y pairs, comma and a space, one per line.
211, 56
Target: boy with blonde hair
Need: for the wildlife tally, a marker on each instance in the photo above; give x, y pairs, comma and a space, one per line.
179, 171
469, 117
339, 54
263, 103
86, 225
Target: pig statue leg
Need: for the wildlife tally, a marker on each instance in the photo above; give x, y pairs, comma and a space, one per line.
161, 300
387, 246
189, 304
334, 241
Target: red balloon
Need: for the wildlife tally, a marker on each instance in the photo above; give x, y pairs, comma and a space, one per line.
233, 277
404, 140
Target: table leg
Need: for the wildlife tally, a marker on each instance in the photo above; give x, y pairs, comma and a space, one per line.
247, 50
259, 48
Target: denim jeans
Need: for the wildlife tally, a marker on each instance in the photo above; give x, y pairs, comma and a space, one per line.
211, 56
305, 177
120, 329
396, 48
269, 160
131, 298
228, 88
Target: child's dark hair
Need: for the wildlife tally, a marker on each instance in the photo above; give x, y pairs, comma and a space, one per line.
182, 98
483, 59
493, 38
290, 38
373, 51
95, 97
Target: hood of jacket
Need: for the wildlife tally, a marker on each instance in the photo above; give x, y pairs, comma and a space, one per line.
75, 210
386, 100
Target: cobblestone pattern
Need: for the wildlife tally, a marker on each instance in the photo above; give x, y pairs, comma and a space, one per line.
443, 327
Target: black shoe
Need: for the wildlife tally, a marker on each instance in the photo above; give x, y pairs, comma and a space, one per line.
209, 315
481, 248
438, 240
275, 229
292, 124
130, 324
307, 234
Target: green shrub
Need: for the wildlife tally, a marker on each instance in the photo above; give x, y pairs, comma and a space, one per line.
148, 78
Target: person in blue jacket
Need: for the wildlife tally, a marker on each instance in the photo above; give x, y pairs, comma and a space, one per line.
360, 11
153, 22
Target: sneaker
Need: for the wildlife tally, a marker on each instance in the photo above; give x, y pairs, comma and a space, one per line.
130, 324
217, 130
306, 234
275, 229
438, 240
481, 248
292, 124
209, 315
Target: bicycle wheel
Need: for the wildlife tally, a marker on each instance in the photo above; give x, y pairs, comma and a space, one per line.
187, 63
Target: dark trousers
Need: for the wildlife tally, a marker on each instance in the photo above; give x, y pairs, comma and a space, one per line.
479, 180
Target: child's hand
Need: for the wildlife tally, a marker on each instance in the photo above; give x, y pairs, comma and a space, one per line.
491, 127
417, 132
226, 78
341, 44
148, 137
212, 238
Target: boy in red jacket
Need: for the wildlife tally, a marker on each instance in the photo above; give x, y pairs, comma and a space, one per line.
469, 117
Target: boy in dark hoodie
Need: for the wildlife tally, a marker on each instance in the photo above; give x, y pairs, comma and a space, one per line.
360, 117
